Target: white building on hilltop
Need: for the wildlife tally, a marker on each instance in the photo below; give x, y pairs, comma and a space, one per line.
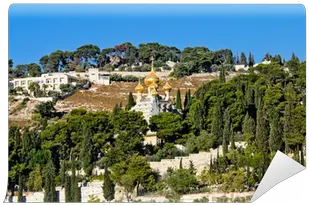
152, 103
52, 81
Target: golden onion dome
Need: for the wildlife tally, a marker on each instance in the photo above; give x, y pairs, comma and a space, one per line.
153, 86
152, 77
167, 87
154, 93
139, 88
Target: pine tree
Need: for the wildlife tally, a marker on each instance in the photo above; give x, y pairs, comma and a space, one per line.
222, 74
226, 132
20, 188
68, 189
275, 140
178, 100
108, 186
180, 164
131, 102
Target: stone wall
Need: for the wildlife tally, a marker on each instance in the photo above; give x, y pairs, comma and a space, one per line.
200, 160
190, 197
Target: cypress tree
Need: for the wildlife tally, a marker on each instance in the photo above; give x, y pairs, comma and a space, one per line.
275, 141
191, 167
131, 102
210, 165
67, 189
186, 101
261, 136
178, 100
74, 182
287, 123
222, 74
249, 129
250, 61
49, 187
86, 154
62, 172
243, 59
229, 57
108, 186
217, 124
226, 132
189, 98
232, 135
20, 188
180, 164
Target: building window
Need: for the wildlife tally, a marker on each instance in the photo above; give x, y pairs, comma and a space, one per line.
61, 80
16, 83
48, 80
55, 80
23, 83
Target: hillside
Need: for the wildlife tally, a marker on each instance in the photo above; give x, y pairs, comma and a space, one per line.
105, 97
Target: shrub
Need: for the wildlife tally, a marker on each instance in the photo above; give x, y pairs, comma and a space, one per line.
67, 88
182, 181
234, 181
108, 68
204, 199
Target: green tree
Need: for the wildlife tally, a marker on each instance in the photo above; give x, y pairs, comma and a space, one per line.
68, 189
217, 122
226, 131
275, 139
182, 181
262, 136
222, 75
87, 153
34, 87
35, 180
167, 125
45, 109
108, 186
49, 185
20, 188
178, 100
180, 164
87, 52
131, 102
249, 129
243, 59
133, 172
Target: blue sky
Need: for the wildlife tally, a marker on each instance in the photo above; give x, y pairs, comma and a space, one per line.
39, 29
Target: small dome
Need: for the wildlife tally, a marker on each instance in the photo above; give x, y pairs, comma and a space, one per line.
167, 87
139, 88
154, 93
153, 86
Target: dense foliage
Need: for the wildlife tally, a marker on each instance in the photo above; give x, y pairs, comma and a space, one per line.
265, 108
